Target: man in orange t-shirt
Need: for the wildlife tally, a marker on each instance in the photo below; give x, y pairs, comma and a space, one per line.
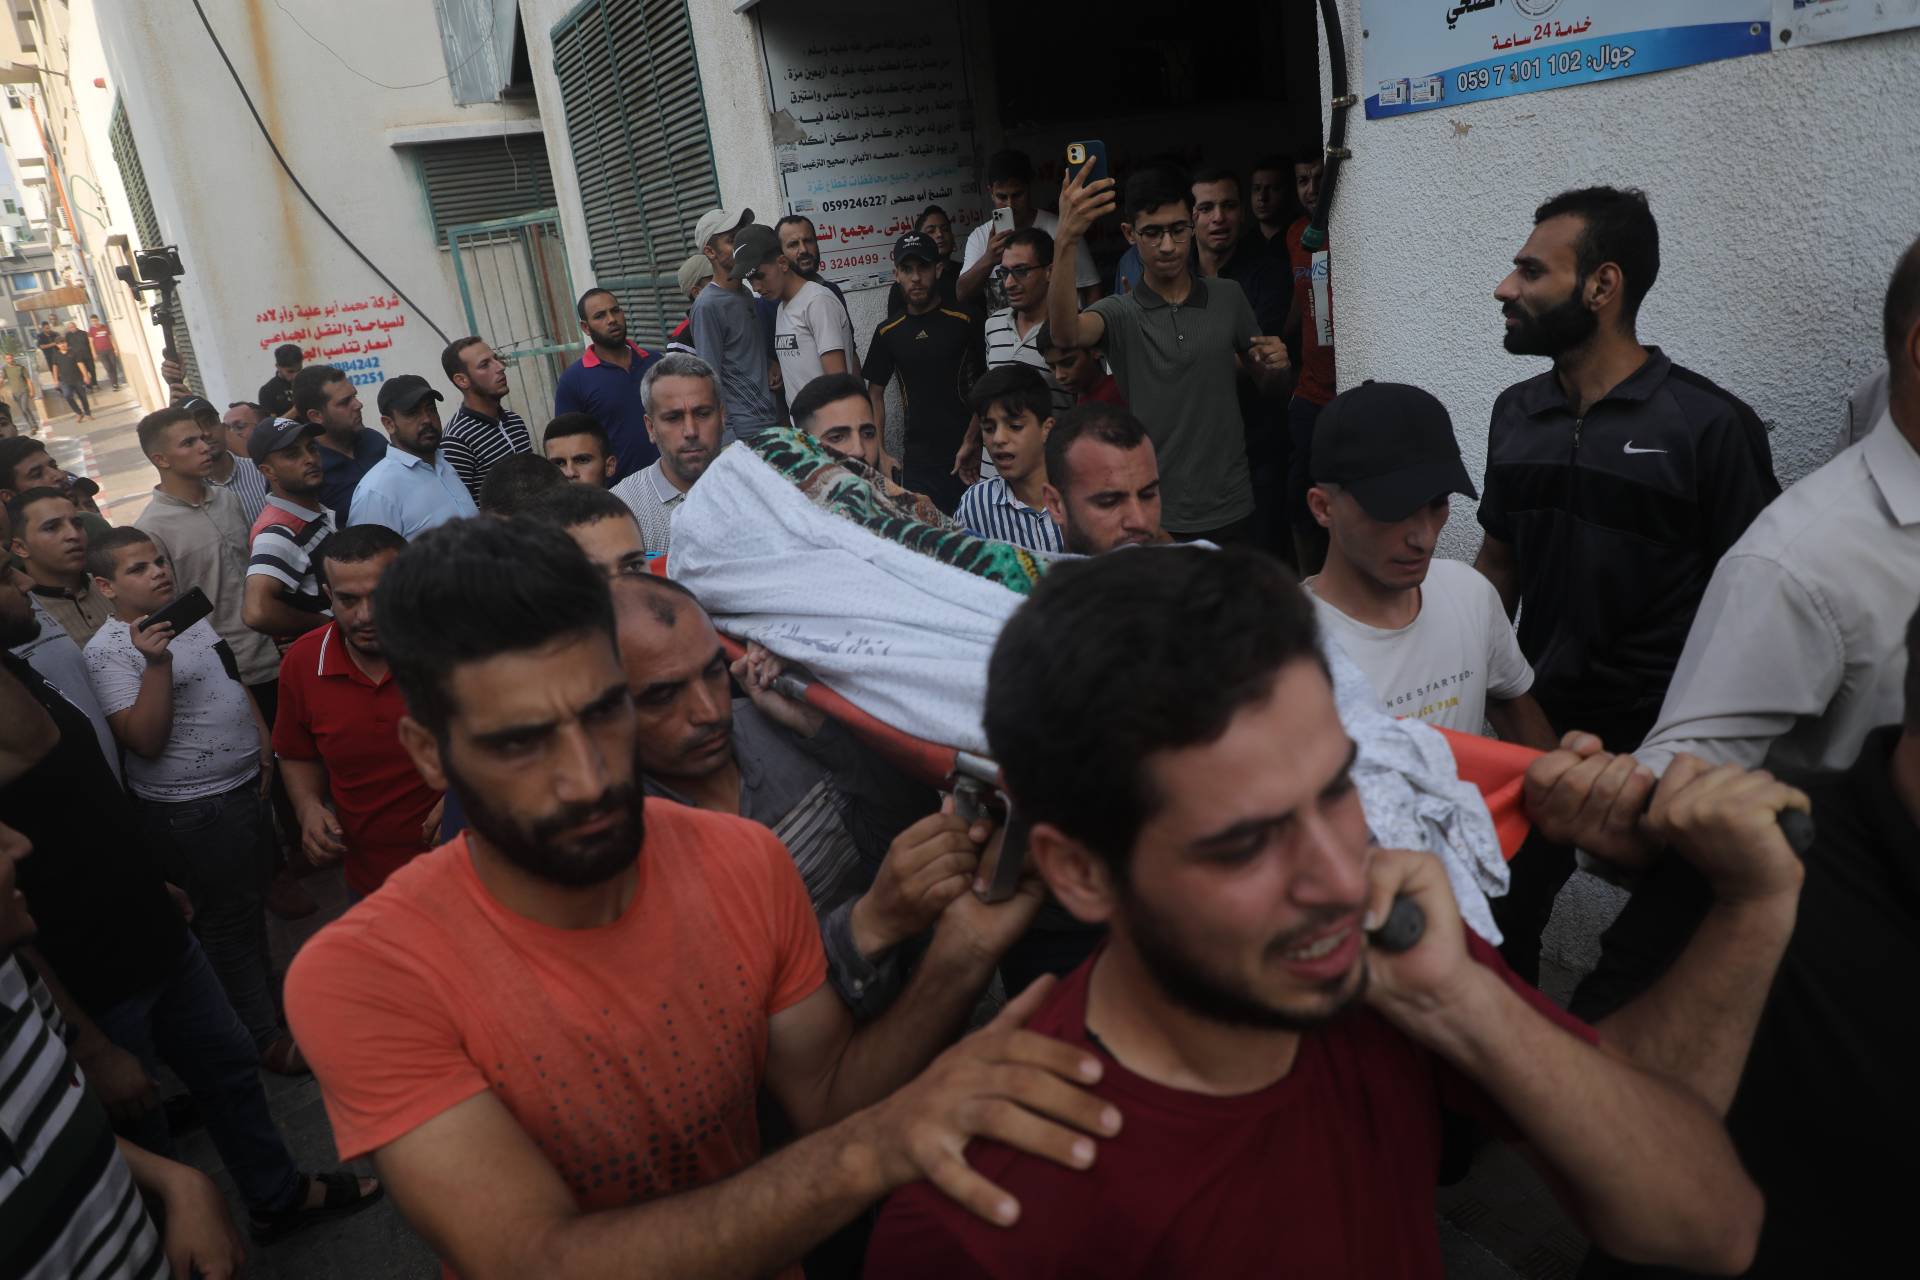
550, 1033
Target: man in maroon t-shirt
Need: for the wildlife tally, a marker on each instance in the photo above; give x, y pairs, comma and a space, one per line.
359, 798
1165, 721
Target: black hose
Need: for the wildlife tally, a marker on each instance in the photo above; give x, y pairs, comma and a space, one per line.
1315, 236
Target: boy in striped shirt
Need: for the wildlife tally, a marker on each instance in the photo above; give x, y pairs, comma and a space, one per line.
1014, 407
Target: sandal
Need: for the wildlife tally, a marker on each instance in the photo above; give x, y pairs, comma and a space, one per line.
343, 1199
283, 1058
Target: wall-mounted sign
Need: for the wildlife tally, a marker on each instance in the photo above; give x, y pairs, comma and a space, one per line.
873, 121
1423, 54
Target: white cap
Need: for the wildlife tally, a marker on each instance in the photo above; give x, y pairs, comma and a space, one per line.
717, 222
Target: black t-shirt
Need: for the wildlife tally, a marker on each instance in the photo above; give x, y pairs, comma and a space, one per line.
107, 925
938, 356
67, 367
276, 396
1824, 1119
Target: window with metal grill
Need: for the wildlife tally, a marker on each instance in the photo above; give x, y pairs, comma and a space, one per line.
479, 179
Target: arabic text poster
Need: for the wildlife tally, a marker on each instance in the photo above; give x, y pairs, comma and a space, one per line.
873, 122
1423, 54
348, 335
1798, 23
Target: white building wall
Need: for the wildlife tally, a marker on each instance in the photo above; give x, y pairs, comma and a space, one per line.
250, 243
1786, 184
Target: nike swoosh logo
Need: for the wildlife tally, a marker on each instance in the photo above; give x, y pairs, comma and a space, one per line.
1628, 448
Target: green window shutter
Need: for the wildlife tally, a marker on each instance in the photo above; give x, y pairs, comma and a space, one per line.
637, 124
479, 179
147, 223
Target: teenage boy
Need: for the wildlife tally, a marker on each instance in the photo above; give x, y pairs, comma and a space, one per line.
727, 331
578, 445
1079, 371
283, 597
199, 760
1178, 344
812, 334
50, 543
1015, 410
937, 353
838, 413
1430, 634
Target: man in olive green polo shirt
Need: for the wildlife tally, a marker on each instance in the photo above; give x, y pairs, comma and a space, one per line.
1178, 345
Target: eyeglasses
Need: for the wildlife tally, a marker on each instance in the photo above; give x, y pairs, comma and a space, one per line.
1154, 235
1015, 273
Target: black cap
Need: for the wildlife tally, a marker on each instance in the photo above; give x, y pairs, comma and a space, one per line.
915, 244
405, 393
1392, 446
277, 434
198, 405
754, 245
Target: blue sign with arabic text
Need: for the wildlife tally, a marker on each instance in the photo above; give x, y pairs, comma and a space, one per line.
1423, 54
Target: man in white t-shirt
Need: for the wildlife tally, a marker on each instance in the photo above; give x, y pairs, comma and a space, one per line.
811, 334
199, 760
1431, 635
1010, 185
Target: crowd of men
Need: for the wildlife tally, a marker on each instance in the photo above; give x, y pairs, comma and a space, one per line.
650, 967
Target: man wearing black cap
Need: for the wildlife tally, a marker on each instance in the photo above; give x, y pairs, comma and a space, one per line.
1430, 635
283, 597
414, 488
812, 333
276, 393
937, 352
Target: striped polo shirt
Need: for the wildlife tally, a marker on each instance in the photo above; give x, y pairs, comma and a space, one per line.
68, 1206
473, 443
285, 536
247, 484
990, 510
1006, 346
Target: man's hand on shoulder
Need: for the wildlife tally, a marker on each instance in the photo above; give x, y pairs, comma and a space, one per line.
1017, 1087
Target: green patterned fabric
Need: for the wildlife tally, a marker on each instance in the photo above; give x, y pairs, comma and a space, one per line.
854, 491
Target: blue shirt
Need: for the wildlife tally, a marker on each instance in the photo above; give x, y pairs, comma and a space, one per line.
341, 475
611, 396
411, 495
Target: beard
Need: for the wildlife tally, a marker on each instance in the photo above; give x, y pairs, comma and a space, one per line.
1191, 983
536, 848
1555, 330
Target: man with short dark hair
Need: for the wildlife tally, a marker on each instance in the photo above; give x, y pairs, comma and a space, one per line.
686, 420
283, 589
1010, 186
204, 534
276, 393
1263, 1041
515, 481
837, 411
812, 332
200, 760
482, 430
1178, 345
241, 417
70, 372
541, 947
417, 487
936, 351
578, 445
604, 383
728, 334
1615, 482
227, 471
1270, 198
100, 338
1429, 633
50, 541
1012, 333
358, 798
599, 524
800, 244
326, 397
1103, 481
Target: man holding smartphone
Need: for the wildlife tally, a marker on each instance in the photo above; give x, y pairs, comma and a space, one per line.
199, 761
1010, 185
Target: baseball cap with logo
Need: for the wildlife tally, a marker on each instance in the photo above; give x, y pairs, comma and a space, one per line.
1391, 446
277, 434
915, 244
405, 393
717, 222
754, 246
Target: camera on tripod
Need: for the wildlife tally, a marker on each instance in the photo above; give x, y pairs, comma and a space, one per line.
156, 271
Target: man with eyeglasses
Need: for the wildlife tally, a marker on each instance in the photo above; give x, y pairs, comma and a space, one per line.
1177, 344
1013, 332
